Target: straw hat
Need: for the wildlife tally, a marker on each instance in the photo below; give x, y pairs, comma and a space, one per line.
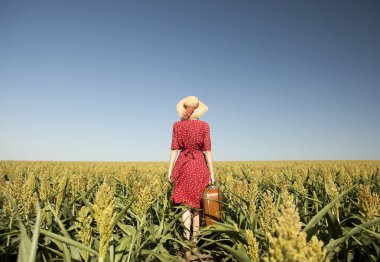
192, 101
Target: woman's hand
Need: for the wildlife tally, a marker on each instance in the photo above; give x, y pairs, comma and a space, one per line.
212, 179
173, 155
208, 155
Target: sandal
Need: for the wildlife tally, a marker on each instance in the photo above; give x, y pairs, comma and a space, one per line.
188, 251
188, 255
194, 248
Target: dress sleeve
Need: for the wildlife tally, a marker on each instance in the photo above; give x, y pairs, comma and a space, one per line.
175, 143
206, 139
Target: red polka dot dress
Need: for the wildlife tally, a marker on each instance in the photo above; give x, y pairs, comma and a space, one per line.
190, 175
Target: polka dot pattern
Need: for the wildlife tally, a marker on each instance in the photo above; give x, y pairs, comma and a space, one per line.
190, 174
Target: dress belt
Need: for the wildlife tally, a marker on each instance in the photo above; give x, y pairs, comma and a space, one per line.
191, 152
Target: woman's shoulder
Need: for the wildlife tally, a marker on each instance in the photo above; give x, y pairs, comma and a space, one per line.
200, 124
184, 122
203, 122
177, 123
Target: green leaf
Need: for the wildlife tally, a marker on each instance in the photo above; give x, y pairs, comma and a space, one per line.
88, 204
181, 242
54, 251
355, 230
168, 227
376, 235
162, 257
25, 245
324, 210
36, 234
111, 249
74, 253
122, 212
11, 233
162, 220
240, 255
127, 229
124, 245
68, 241
229, 230
56, 242
66, 254
60, 224
334, 228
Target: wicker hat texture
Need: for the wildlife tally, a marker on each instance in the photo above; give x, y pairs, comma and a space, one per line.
191, 101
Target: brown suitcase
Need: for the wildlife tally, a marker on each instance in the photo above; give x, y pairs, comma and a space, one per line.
211, 205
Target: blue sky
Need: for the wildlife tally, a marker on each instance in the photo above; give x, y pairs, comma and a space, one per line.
99, 80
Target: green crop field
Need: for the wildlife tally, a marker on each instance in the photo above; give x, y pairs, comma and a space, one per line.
114, 211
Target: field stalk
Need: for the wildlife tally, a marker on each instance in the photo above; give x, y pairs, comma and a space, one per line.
130, 248
10, 227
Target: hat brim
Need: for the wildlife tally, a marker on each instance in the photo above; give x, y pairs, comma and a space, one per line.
198, 112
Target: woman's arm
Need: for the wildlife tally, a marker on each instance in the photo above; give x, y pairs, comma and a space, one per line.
208, 155
173, 155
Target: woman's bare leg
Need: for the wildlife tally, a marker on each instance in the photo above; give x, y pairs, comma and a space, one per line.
186, 220
195, 224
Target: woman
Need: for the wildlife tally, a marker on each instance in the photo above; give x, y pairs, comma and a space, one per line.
193, 169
